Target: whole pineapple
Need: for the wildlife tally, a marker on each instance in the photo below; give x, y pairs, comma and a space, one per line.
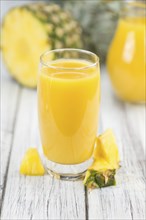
98, 19
28, 31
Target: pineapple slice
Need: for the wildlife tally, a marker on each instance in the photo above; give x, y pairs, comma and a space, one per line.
106, 160
28, 31
31, 164
107, 148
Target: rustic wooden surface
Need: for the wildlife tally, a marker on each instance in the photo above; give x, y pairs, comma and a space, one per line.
47, 198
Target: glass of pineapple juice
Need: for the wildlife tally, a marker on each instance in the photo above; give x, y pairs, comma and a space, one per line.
68, 106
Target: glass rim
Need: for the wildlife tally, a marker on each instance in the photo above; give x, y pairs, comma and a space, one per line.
69, 49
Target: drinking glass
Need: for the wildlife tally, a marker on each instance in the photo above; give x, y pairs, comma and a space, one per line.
68, 106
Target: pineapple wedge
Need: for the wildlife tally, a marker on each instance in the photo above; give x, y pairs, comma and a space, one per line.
107, 148
31, 164
106, 160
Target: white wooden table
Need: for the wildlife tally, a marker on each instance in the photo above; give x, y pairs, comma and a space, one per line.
41, 198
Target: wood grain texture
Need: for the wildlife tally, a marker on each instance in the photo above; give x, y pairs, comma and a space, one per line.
37, 197
127, 199
9, 102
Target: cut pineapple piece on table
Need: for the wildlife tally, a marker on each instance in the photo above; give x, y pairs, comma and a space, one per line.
107, 148
31, 163
28, 31
100, 174
106, 161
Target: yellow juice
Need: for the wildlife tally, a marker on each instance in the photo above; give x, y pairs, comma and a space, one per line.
126, 60
68, 104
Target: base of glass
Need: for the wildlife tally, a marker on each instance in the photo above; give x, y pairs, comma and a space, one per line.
67, 172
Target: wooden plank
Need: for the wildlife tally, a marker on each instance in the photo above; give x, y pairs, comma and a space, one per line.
9, 98
126, 200
136, 116
9, 103
37, 197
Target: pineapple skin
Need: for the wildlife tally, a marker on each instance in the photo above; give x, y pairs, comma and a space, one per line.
99, 179
100, 174
21, 52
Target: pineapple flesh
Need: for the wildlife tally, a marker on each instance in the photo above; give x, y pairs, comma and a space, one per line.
106, 161
28, 31
31, 164
107, 148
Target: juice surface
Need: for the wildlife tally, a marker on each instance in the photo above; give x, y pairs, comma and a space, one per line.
126, 60
68, 103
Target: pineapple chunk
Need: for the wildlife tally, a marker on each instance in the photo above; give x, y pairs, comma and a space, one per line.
106, 160
31, 164
106, 148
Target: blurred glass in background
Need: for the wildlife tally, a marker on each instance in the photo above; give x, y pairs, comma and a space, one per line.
127, 54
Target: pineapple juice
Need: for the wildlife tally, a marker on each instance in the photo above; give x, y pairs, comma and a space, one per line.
68, 104
126, 59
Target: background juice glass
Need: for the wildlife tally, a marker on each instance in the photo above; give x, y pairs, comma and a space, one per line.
68, 105
126, 59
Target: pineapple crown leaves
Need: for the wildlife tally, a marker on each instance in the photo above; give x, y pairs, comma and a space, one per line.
98, 20
87, 11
